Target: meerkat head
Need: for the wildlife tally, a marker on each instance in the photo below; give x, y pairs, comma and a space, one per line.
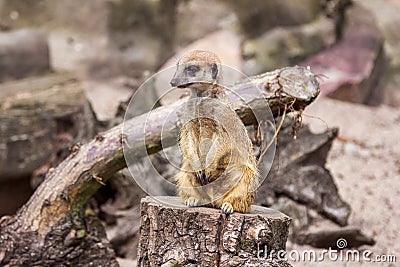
196, 69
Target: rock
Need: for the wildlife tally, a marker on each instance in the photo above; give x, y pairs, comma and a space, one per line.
106, 95
314, 186
297, 212
23, 53
336, 10
189, 13
79, 52
258, 16
21, 14
386, 13
299, 173
121, 37
284, 46
141, 34
353, 66
340, 238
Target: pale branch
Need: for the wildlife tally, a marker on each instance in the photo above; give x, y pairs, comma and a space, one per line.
71, 184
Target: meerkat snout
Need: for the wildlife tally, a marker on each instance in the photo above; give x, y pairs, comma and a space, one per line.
196, 68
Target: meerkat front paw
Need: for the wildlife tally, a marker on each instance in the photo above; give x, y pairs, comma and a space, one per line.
227, 208
192, 202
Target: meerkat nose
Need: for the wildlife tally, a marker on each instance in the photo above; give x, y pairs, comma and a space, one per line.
174, 82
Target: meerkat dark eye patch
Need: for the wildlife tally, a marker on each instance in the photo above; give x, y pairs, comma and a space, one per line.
191, 70
214, 70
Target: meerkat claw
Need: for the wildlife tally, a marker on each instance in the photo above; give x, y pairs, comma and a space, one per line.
192, 202
227, 208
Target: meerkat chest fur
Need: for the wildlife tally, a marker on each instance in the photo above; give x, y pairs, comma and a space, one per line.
213, 138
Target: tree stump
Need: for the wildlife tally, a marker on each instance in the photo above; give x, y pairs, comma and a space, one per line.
174, 235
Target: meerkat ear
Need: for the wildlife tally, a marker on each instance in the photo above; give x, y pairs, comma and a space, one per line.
214, 70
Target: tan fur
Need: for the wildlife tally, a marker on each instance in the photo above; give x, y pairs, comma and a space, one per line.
200, 56
215, 144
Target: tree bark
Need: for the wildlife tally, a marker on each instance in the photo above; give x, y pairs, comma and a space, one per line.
174, 235
57, 204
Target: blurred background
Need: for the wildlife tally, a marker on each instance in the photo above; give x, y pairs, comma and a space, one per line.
69, 68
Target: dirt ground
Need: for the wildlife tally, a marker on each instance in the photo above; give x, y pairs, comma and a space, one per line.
365, 162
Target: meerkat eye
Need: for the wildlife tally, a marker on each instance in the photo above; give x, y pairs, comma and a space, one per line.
191, 70
214, 71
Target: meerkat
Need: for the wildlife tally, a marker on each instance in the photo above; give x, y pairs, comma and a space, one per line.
218, 165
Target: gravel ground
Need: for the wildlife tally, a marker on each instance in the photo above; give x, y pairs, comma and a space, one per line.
365, 162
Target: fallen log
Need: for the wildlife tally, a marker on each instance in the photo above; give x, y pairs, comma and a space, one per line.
40, 117
55, 210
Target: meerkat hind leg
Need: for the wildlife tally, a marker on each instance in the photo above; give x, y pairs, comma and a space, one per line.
238, 204
239, 198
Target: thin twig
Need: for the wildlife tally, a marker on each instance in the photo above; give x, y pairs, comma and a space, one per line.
275, 136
